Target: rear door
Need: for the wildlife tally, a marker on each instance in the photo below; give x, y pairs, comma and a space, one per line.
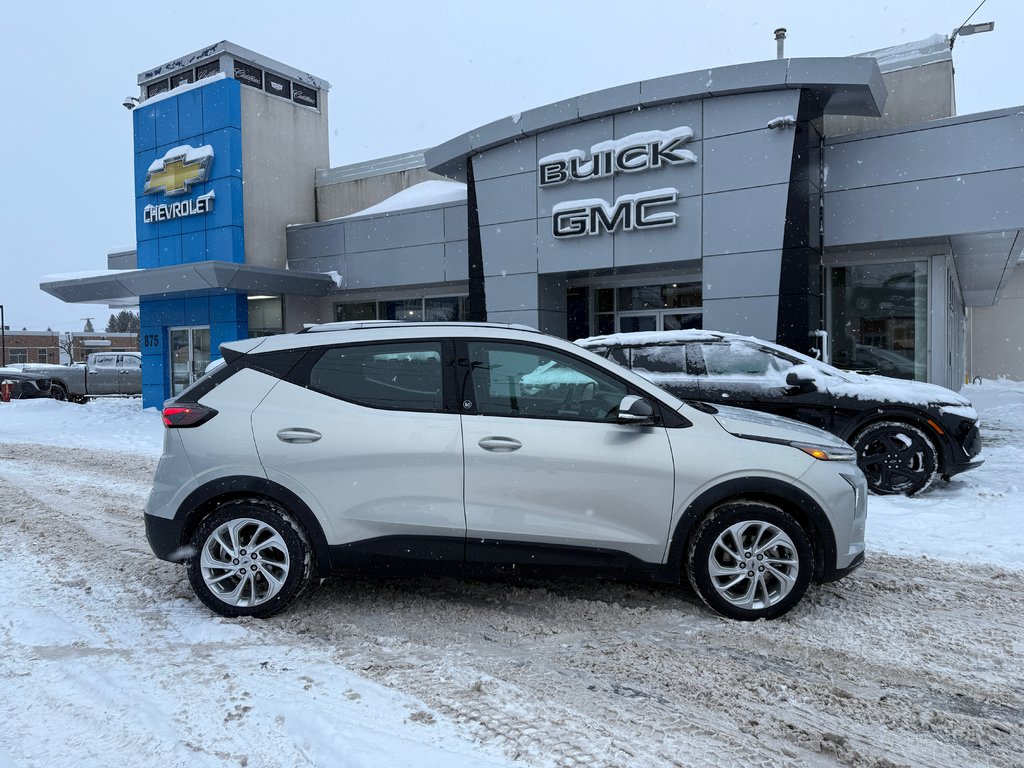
550, 476
129, 375
103, 374
363, 433
666, 365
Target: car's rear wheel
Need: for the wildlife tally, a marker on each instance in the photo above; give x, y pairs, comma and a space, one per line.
896, 457
58, 392
251, 559
750, 560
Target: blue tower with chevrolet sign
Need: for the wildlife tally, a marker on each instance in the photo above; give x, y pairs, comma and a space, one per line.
209, 249
188, 204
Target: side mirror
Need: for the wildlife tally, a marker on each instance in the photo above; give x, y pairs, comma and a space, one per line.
800, 383
635, 410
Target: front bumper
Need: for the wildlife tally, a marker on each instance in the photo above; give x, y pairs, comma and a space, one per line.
835, 574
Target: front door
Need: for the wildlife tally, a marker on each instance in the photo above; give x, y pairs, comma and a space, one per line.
550, 476
190, 354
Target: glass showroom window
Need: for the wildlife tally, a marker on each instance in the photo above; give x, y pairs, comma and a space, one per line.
433, 309
880, 318
665, 307
266, 316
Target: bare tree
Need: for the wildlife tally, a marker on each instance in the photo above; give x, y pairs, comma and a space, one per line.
66, 344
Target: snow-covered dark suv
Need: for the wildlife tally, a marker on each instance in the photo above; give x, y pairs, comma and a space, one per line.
426, 446
905, 432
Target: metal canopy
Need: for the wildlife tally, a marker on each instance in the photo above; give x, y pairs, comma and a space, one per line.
198, 277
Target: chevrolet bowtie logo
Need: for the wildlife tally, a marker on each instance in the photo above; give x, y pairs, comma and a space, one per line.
178, 170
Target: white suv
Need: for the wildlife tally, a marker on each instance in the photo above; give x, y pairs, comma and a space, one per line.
438, 446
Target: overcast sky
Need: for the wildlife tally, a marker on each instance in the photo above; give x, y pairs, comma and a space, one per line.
405, 75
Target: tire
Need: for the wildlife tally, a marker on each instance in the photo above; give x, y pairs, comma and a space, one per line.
58, 392
728, 544
896, 457
234, 579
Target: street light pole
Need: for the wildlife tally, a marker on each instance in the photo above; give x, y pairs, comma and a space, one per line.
3, 338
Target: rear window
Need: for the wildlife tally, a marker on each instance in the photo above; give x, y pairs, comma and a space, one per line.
405, 376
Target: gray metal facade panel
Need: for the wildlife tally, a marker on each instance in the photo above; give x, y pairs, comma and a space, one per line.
747, 112
741, 275
315, 241
507, 198
515, 157
745, 221
498, 132
550, 116
663, 118
456, 260
738, 78
319, 265
978, 202
509, 248
578, 253
752, 159
689, 85
394, 230
949, 150
449, 158
396, 267
663, 246
848, 86
580, 136
528, 317
609, 101
456, 226
753, 316
685, 179
511, 293
579, 190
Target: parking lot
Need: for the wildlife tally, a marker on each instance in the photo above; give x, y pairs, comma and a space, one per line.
107, 659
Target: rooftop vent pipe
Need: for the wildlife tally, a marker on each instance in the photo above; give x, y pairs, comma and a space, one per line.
780, 42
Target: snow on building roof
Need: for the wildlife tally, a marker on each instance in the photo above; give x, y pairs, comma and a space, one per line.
433, 192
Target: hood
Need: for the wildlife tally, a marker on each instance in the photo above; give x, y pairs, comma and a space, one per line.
741, 422
887, 389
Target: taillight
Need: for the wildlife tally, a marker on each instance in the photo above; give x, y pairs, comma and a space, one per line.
191, 415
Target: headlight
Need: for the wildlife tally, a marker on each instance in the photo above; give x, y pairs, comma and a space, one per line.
826, 452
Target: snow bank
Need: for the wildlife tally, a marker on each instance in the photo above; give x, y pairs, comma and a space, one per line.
119, 425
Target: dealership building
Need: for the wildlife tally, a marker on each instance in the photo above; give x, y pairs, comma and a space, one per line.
838, 206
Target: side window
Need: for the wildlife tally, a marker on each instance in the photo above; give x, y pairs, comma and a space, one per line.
741, 359
619, 355
660, 359
130, 362
405, 376
536, 382
105, 361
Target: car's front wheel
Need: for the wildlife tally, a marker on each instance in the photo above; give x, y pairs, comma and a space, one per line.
251, 559
750, 560
895, 457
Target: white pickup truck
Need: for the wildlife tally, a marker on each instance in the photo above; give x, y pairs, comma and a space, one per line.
102, 374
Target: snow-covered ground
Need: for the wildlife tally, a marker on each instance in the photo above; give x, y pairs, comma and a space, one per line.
106, 659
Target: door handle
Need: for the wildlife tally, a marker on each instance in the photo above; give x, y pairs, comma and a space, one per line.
298, 435
500, 444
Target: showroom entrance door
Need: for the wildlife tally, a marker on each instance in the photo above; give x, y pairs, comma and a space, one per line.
190, 354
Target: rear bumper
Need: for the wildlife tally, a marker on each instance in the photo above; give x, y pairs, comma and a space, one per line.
164, 537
